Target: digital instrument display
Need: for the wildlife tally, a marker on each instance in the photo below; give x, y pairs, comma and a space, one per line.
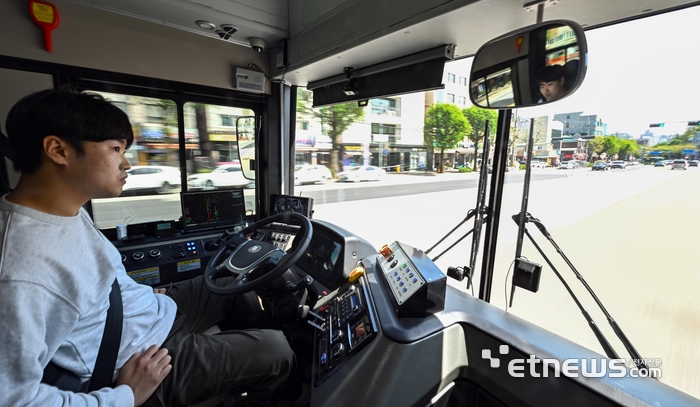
321, 256
280, 204
211, 209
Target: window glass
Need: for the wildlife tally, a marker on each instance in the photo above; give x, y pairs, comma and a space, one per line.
147, 195
600, 219
214, 161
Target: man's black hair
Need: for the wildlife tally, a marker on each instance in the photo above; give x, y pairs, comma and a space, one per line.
550, 73
72, 116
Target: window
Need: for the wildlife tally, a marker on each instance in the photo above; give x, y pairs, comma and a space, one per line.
450, 98
462, 100
227, 120
463, 81
302, 125
451, 77
386, 107
155, 180
383, 128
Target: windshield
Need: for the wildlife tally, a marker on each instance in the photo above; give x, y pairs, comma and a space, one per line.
647, 284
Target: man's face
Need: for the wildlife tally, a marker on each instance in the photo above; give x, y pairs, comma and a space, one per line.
552, 90
101, 171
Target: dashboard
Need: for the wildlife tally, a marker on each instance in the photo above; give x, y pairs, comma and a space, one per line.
399, 333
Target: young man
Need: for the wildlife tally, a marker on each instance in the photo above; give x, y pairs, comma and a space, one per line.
551, 81
57, 269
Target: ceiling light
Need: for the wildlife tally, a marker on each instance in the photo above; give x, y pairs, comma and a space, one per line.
206, 25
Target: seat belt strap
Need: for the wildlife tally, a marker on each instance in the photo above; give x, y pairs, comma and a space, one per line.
106, 361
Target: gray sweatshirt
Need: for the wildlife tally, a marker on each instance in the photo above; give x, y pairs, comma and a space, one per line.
55, 278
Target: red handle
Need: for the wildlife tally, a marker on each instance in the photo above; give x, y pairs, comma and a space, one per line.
48, 46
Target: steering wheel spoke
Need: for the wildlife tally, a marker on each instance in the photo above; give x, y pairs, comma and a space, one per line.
244, 258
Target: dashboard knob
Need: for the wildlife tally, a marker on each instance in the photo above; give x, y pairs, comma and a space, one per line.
155, 253
211, 246
138, 256
124, 258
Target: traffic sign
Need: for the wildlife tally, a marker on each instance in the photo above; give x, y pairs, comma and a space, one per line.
696, 123
657, 125
688, 151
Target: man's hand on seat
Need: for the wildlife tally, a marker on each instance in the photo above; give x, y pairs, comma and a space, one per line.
143, 373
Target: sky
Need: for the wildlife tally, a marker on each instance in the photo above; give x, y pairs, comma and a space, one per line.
640, 72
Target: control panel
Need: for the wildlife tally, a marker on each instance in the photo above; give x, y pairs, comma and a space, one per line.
281, 240
344, 325
163, 262
417, 284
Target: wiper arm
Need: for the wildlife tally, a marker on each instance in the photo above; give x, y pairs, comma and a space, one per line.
639, 362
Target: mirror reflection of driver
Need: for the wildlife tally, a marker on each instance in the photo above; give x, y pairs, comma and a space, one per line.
551, 80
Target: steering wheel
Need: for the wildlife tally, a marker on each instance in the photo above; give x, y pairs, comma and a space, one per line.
247, 256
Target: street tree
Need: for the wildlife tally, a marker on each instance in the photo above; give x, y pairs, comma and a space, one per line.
335, 119
477, 117
596, 146
444, 126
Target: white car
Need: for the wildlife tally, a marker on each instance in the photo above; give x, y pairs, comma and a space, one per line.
227, 175
310, 174
364, 173
566, 165
538, 164
152, 178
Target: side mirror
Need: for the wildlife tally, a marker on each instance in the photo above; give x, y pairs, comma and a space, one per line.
534, 65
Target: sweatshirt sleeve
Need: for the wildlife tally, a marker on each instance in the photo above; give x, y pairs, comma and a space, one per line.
33, 323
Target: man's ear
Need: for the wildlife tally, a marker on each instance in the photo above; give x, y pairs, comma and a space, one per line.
56, 150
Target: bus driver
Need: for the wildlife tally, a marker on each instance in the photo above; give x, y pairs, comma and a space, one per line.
57, 269
551, 81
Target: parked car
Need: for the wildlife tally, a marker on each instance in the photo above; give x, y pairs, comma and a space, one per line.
600, 166
618, 164
227, 175
538, 164
693, 163
668, 162
364, 173
566, 165
160, 179
660, 164
679, 165
310, 174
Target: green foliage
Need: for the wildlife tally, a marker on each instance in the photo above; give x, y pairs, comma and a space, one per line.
335, 119
464, 169
523, 166
444, 127
477, 117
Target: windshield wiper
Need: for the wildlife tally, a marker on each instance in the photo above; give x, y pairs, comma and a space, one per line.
609, 351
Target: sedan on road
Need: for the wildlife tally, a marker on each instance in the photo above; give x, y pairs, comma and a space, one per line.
227, 175
311, 174
600, 166
364, 173
566, 165
160, 179
618, 164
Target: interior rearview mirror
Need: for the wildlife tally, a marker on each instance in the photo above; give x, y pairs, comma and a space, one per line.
534, 65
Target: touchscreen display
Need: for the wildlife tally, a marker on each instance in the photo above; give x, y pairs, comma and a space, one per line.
280, 204
322, 255
204, 210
